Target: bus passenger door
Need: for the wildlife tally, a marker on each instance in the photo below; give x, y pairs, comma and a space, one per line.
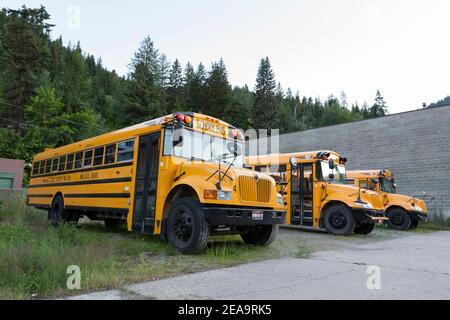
302, 195
296, 202
307, 194
146, 183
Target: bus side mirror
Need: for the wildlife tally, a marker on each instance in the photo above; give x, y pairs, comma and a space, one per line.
331, 163
293, 163
234, 149
178, 142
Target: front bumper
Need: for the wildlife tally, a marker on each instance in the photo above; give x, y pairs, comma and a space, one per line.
419, 216
369, 215
242, 216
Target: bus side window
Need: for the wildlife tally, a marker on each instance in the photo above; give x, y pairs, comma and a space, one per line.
88, 158
41, 167
98, 156
69, 165
110, 154
78, 160
363, 184
36, 168
55, 165
62, 163
48, 166
125, 151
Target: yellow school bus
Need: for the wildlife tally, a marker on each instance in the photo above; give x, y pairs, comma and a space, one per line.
313, 185
404, 212
181, 176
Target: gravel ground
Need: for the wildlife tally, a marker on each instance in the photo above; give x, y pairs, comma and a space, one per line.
410, 265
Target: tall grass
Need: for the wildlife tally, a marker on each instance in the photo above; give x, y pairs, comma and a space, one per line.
34, 256
437, 220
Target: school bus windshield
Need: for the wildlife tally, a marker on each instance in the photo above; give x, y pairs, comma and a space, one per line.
194, 145
387, 185
338, 172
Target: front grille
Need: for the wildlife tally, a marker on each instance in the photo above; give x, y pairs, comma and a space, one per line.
255, 191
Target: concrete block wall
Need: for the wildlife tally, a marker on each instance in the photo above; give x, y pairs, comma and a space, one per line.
415, 145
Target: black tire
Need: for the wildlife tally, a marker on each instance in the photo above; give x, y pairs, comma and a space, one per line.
57, 211
399, 219
112, 223
414, 224
364, 228
260, 235
186, 228
339, 220
163, 234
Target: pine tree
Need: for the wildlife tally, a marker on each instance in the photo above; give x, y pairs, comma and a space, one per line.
144, 97
379, 108
241, 104
343, 101
218, 90
24, 56
265, 104
76, 83
175, 88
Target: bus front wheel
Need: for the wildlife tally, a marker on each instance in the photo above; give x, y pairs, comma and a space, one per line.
260, 235
414, 224
339, 220
399, 219
186, 228
364, 228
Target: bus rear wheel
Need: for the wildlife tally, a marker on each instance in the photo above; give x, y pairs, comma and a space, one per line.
339, 220
57, 211
399, 219
187, 229
260, 235
364, 228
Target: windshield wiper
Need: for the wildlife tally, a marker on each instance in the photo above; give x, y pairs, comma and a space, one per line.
225, 174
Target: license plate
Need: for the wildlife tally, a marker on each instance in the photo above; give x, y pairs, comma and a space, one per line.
257, 215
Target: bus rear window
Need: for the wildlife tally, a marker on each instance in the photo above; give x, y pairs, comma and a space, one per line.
88, 158
69, 165
125, 151
62, 163
78, 160
98, 156
110, 154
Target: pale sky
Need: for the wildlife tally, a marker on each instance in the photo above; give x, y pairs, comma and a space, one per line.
318, 47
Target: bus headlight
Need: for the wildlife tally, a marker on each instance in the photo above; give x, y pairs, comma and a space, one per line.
217, 195
210, 194
364, 205
223, 195
416, 208
280, 199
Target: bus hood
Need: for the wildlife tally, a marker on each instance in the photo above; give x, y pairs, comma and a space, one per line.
406, 202
349, 194
249, 188
211, 170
